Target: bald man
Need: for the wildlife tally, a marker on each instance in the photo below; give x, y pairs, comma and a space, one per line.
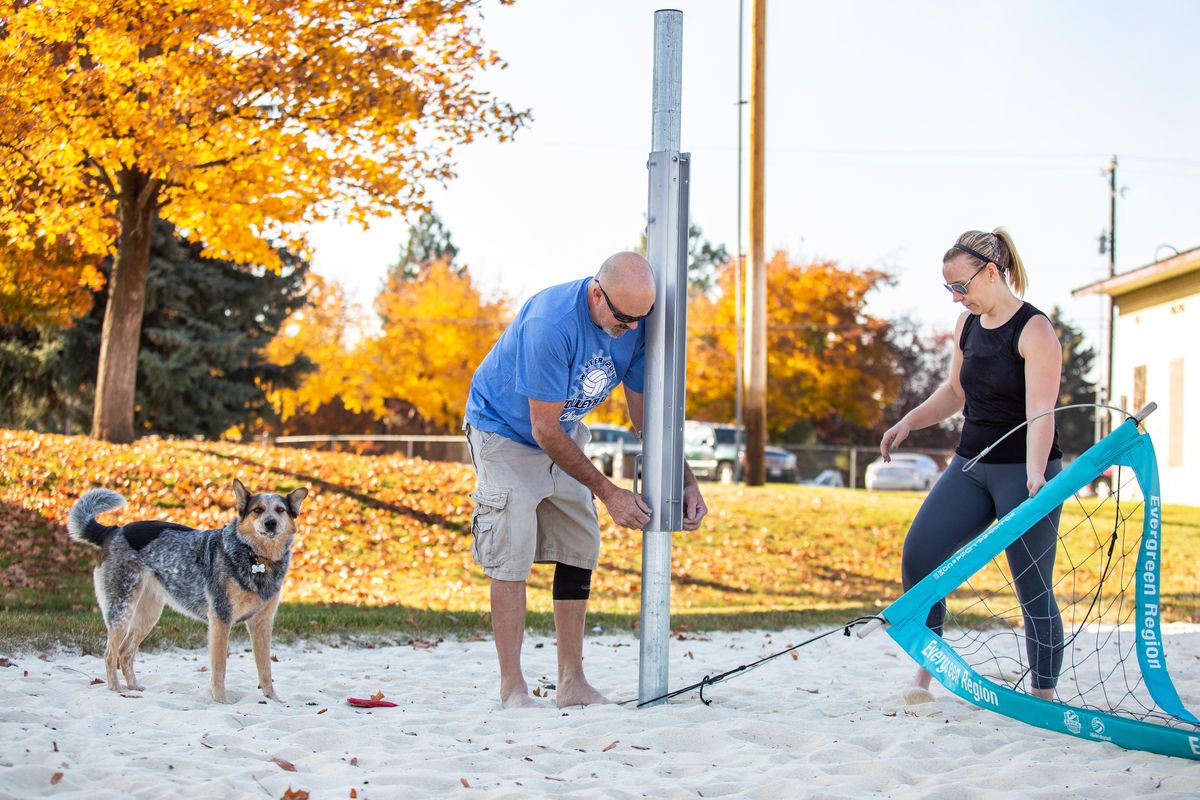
569, 346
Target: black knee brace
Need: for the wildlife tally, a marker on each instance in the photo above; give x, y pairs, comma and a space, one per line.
571, 583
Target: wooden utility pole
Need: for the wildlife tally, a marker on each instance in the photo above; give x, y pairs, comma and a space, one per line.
755, 361
1108, 243
1112, 271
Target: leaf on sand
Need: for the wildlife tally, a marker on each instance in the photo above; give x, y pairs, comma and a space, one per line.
377, 696
465, 782
284, 764
55, 778
610, 747
294, 794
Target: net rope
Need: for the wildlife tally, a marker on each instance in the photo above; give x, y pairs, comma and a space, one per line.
1093, 584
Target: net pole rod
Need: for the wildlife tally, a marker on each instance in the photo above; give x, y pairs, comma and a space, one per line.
666, 249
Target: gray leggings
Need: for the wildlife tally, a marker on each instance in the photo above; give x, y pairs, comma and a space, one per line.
962, 505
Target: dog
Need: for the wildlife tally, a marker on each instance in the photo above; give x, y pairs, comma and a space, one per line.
224, 576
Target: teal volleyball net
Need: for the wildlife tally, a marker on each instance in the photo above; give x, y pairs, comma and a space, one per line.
1112, 682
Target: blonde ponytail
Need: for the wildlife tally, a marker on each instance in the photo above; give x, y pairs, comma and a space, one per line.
1014, 270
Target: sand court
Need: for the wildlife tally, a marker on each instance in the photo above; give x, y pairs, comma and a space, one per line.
829, 723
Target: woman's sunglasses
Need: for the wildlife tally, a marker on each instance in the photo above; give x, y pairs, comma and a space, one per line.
628, 319
961, 288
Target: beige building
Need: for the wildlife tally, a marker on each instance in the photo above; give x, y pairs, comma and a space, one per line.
1156, 357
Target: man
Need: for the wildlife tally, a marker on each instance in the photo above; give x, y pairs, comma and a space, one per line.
569, 346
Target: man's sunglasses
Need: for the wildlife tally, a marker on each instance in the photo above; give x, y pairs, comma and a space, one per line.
628, 319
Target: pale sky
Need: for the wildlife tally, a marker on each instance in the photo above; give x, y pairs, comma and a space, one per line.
892, 127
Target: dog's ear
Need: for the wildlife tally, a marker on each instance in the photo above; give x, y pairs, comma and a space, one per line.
242, 496
293, 500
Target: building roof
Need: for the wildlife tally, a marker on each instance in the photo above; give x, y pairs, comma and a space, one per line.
1159, 271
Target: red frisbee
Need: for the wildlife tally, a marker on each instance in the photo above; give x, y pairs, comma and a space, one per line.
362, 702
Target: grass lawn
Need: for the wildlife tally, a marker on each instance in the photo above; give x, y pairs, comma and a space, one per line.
384, 550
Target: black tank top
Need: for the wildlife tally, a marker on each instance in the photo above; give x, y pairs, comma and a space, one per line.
993, 381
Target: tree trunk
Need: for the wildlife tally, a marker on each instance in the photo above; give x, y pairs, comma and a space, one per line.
116, 381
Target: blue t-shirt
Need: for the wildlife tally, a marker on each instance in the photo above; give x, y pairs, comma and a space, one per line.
553, 352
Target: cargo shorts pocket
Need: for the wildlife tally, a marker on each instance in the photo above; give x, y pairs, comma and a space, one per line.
489, 526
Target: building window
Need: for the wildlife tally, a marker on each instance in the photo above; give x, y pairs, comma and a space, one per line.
1139, 388
1175, 438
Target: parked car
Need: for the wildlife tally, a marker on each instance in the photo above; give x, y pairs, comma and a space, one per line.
912, 471
711, 451
606, 441
827, 477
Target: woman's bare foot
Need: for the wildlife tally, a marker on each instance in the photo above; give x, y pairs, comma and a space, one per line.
915, 695
918, 692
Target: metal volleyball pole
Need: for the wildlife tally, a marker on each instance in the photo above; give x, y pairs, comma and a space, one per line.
666, 349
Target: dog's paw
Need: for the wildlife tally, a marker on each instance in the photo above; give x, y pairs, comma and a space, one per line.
133, 687
220, 697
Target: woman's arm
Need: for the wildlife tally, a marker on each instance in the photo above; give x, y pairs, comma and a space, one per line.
1042, 352
946, 401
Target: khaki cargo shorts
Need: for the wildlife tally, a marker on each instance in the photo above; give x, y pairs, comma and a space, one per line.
527, 510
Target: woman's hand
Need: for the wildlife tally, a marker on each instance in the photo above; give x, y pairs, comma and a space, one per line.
1034, 481
892, 438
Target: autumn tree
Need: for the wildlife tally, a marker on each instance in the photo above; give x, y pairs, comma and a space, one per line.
921, 362
326, 332
437, 329
241, 123
827, 358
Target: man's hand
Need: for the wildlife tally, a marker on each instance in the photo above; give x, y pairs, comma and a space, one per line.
693, 507
627, 509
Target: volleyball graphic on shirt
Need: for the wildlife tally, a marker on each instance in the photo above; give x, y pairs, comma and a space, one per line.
595, 382
595, 378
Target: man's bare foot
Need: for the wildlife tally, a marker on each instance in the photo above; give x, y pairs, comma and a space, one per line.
578, 692
518, 696
521, 700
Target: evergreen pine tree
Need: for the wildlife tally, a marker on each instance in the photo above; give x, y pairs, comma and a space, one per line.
429, 240
1076, 431
202, 368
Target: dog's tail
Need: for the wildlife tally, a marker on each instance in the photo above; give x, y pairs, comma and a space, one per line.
81, 523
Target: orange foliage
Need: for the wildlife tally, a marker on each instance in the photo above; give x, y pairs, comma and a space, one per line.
437, 328
387, 530
825, 355
242, 123
324, 331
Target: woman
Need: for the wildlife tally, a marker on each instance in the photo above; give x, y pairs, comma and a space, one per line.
1005, 370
